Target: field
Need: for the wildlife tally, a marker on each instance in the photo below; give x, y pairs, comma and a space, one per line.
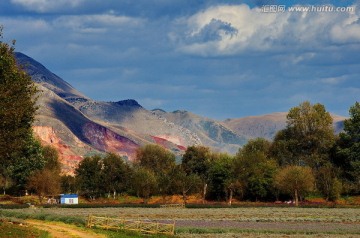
13, 230
231, 222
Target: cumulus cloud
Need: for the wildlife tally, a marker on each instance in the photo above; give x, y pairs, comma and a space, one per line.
47, 5
228, 30
214, 31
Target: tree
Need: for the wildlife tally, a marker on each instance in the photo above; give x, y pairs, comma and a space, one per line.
88, 176
328, 183
51, 157
308, 137
184, 184
161, 162
155, 158
218, 174
17, 112
347, 151
5, 182
28, 161
68, 184
254, 169
47, 181
144, 183
296, 181
197, 160
115, 174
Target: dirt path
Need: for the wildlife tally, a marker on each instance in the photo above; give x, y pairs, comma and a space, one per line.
61, 230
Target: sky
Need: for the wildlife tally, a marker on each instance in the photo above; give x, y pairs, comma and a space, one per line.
216, 58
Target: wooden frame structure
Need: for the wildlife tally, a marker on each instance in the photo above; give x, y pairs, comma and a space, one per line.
131, 225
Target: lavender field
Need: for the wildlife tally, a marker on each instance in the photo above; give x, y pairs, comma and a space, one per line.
235, 222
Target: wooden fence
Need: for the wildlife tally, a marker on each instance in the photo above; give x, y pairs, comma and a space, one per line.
131, 225
173, 205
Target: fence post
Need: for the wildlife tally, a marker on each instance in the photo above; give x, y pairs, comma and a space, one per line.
173, 228
139, 226
89, 221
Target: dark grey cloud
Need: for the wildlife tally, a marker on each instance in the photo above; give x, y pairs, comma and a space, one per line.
213, 31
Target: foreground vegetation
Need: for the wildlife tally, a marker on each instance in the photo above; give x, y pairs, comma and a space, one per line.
248, 221
10, 229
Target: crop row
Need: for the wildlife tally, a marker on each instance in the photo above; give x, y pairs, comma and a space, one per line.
236, 214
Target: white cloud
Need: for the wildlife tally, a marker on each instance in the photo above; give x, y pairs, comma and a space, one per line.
244, 28
47, 5
333, 80
98, 23
35, 25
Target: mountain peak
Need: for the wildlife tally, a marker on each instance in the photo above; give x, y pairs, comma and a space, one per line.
180, 111
40, 74
129, 103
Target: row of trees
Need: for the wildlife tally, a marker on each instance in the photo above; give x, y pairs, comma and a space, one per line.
304, 157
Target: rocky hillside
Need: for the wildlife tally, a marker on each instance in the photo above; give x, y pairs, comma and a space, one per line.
211, 133
79, 126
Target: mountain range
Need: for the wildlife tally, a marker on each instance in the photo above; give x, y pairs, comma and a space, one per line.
78, 126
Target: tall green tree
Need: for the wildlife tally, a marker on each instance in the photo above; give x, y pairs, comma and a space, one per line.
347, 155
254, 169
144, 183
28, 161
17, 111
219, 174
197, 160
88, 176
162, 164
115, 174
155, 158
328, 183
308, 137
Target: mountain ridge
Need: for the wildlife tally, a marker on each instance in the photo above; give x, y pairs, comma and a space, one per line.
80, 126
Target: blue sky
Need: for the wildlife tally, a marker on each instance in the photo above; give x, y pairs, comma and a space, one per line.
217, 58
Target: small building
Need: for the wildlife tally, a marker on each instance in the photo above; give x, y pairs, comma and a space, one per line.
69, 199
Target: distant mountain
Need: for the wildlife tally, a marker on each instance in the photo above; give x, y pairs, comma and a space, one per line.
79, 126
266, 126
211, 132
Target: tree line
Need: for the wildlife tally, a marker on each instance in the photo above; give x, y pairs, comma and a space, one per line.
305, 157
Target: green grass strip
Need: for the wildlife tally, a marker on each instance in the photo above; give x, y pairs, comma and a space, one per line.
44, 216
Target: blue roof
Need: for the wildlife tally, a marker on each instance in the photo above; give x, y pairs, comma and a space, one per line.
69, 196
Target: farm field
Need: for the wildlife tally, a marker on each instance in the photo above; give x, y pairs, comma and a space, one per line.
11, 230
233, 222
